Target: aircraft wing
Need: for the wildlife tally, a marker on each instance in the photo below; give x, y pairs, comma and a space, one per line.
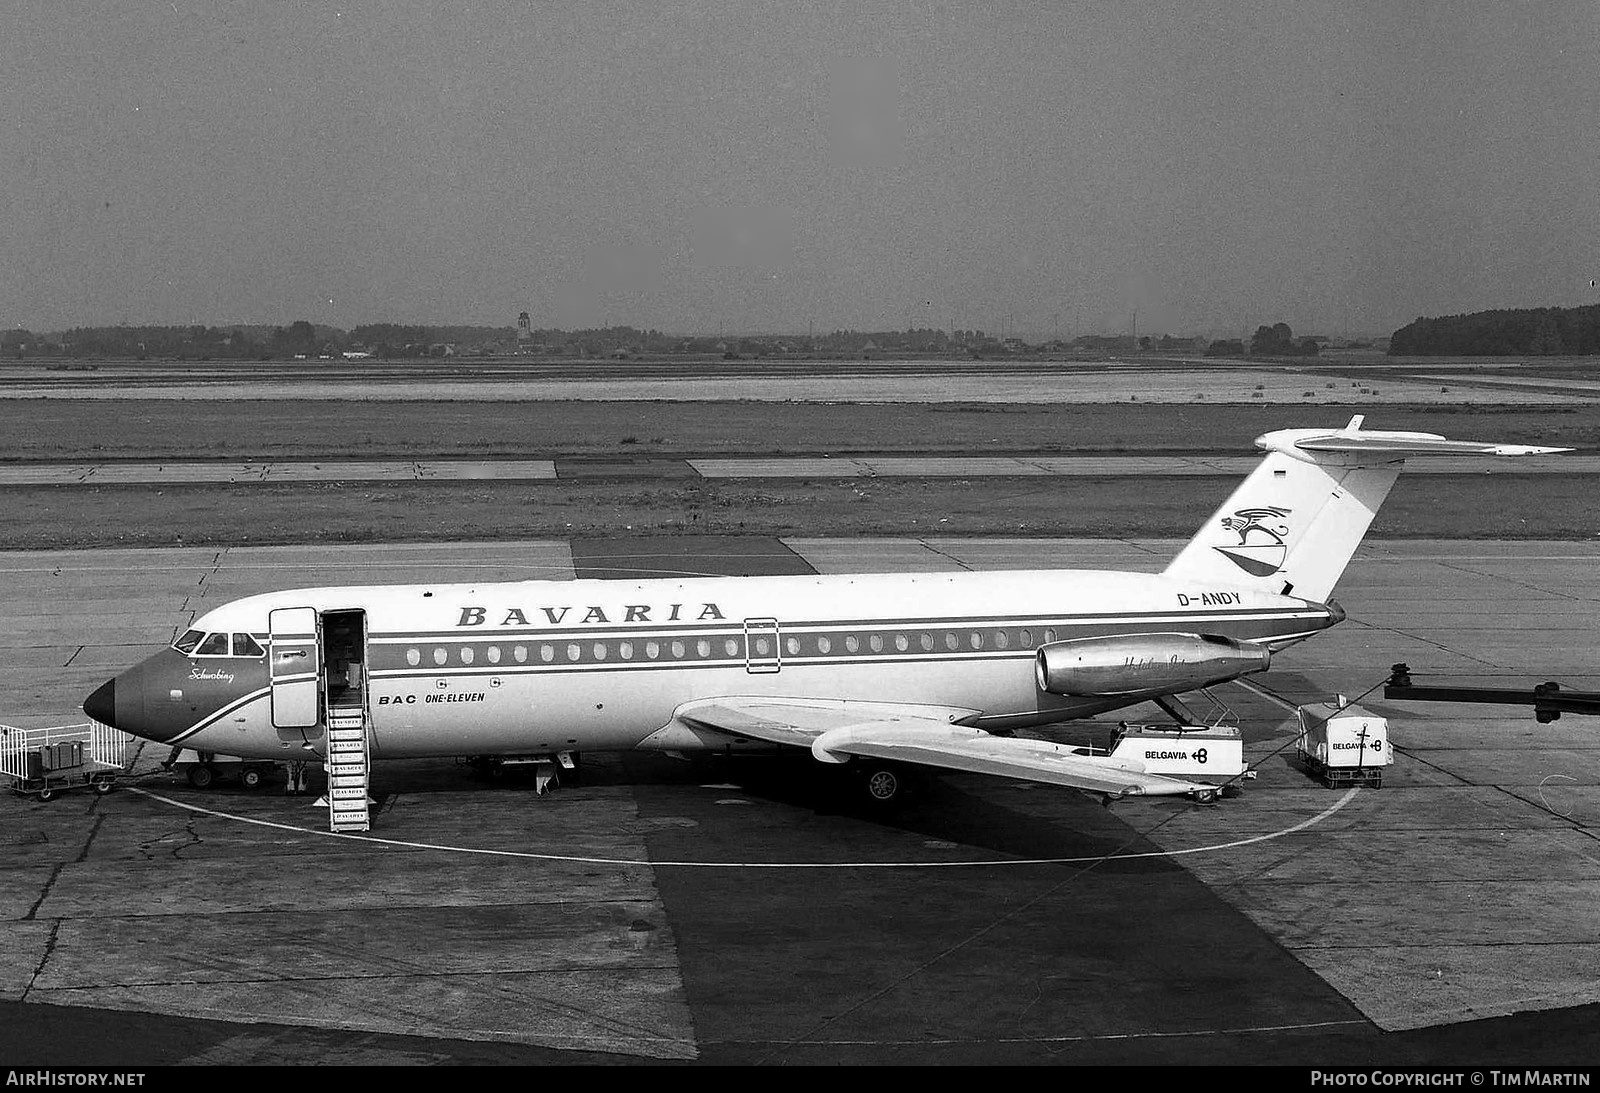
799, 721
836, 730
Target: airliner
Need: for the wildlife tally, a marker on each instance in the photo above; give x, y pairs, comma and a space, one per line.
885, 673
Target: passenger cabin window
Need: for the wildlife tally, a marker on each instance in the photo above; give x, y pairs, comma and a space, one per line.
188, 641
246, 646
214, 645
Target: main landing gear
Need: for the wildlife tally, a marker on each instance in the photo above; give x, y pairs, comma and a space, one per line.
883, 787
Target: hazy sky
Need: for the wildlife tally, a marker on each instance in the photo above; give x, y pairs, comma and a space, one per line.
1025, 167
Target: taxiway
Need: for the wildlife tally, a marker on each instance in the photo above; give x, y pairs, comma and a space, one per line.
190, 472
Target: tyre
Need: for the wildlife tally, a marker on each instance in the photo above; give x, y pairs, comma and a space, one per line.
201, 776
45, 794
883, 786
104, 786
251, 778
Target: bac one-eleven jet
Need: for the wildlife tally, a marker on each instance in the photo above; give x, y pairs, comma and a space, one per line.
875, 670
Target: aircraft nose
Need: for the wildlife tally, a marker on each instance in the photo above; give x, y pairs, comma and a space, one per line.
123, 702
101, 705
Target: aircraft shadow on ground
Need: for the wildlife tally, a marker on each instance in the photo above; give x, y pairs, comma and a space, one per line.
947, 813
992, 817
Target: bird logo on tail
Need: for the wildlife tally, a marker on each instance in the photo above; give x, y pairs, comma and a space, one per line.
1260, 550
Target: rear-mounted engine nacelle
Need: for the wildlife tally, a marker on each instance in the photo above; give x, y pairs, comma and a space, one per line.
1132, 664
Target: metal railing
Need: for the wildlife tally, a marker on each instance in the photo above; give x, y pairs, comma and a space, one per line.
102, 745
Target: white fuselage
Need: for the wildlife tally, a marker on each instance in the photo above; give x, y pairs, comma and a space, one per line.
541, 666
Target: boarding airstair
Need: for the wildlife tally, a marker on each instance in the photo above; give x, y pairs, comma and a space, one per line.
347, 766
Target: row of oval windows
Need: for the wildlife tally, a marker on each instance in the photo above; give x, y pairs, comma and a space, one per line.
761, 646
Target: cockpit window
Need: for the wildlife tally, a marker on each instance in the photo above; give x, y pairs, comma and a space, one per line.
245, 646
215, 645
190, 639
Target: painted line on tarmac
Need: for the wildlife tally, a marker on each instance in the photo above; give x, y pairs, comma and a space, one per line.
646, 863
1079, 1038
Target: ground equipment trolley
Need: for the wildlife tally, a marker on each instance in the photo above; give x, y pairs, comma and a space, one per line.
44, 762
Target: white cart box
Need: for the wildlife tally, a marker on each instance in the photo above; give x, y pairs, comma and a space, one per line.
1198, 753
1344, 744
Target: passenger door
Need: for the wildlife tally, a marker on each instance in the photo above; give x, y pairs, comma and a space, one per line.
296, 669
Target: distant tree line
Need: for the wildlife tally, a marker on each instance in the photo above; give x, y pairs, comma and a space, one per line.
1539, 331
304, 339
243, 342
1277, 340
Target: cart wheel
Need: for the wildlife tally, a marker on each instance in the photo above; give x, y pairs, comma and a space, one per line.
200, 776
104, 786
45, 794
251, 778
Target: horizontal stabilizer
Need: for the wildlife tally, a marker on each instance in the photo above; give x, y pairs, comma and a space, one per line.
1352, 438
1404, 444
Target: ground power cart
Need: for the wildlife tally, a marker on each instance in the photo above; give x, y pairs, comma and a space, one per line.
1343, 744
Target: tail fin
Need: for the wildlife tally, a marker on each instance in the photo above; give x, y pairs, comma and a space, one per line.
1292, 526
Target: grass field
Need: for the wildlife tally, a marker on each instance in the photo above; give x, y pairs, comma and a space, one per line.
1498, 506
87, 430
1501, 506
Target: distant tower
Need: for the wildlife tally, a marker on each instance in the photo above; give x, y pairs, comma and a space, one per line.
524, 329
